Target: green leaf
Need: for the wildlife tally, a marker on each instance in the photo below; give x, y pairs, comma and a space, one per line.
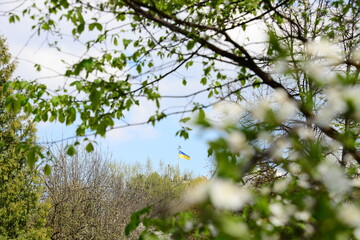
37, 67
189, 64
47, 170
190, 45
89, 147
203, 81
115, 41
71, 151
135, 220
12, 105
45, 26
71, 116
184, 120
31, 157
81, 28
138, 68
96, 25
126, 42
95, 99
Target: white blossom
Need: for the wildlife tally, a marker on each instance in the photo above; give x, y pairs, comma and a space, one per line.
324, 49
278, 147
265, 136
355, 56
228, 113
236, 141
357, 233
303, 180
287, 107
260, 110
338, 99
196, 194
302, 216
239, 144
280, 215
356, 182
334, 178
281, 185
287, 110
265, 190
280, 67
309, 230
189, 225
294, 168
213, 230
305, 133
227, 195
349, 214
334, 107
321, 74
223, 194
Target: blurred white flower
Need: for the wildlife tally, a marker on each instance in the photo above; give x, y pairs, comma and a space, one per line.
287, 109
356, 182
338, 100
355, 57
294, 168
265, 190
305, 133
279, 102
239, 144
302, 216
228, 113
334, 178
236, 141
351, 94
321, 74
280, 95
265, 136
324, 49
281, 185
349, 214
280, 67
213, 229
196, 194
225, 194
189, 225
280, 216
303, 180
334, 106
260, 110
357, 233
309, 230
278, 148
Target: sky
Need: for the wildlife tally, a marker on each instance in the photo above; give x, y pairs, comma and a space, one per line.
130, 144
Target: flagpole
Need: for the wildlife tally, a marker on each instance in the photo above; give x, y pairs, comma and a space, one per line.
179, 147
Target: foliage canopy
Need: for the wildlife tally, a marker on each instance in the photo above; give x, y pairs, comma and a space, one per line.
22, 216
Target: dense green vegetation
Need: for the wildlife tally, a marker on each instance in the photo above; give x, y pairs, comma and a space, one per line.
22, 215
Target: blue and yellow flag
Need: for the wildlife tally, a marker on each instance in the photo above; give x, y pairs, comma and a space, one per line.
183, 155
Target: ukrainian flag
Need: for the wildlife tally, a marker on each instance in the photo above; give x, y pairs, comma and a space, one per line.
183, 155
